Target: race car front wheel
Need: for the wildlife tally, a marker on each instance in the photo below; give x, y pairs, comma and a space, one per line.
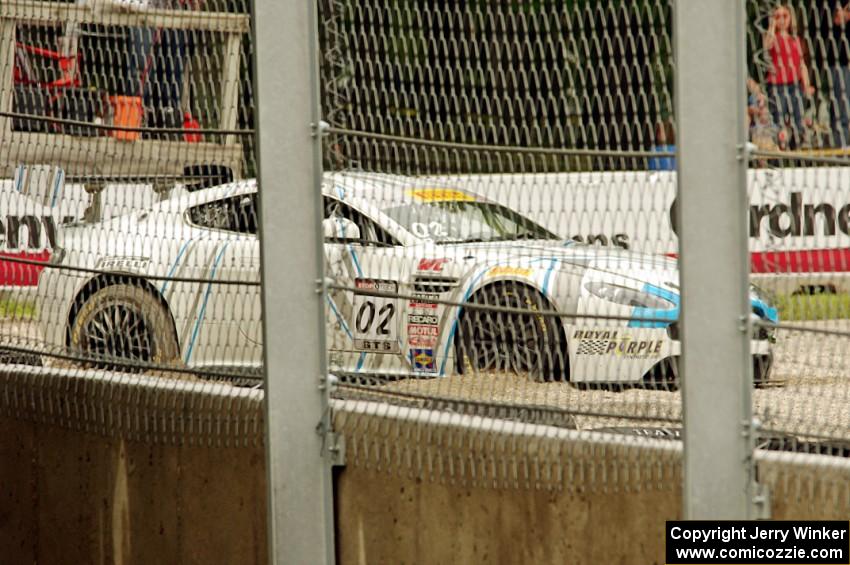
762, 367
124, 327
493, 339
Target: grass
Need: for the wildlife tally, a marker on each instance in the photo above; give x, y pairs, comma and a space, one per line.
801, 307
792, 307
16, 309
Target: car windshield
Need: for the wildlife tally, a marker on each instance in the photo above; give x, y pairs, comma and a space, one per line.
455, 221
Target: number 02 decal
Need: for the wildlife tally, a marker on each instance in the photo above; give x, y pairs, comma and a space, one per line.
375, 323
366, 317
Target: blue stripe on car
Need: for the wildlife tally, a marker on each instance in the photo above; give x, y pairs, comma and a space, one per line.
545, 289
341, 193
57, 182
19, 186
174, 265
350, 249
657, 317
356, 262
763, 310
204, 305
362, 359
664, 317
345, 327
339, 317
457, 319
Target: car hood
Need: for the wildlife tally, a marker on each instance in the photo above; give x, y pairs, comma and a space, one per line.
658, 270
622, 262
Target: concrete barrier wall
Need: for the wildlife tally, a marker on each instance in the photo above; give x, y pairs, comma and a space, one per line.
393, 519
74, 497
110, 468
423, 487
418, 487
439, 488
806, 487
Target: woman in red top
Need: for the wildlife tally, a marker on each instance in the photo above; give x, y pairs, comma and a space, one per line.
788, 78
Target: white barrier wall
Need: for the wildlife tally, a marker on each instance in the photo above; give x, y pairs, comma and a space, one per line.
799, 218
28, 228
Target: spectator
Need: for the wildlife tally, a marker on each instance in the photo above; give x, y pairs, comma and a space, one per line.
764, 132
156, 64
835, 33
788, 78
755, 98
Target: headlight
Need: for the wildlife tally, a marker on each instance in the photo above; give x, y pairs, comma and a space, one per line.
761, 294
626, 296
57, 255
763, 304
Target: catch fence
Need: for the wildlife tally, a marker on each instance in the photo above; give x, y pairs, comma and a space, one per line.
440, 114
500, 222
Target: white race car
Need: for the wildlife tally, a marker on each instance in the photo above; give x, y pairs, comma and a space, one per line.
423, 280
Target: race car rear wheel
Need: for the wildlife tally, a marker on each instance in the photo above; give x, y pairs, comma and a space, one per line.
124, 322
498, 341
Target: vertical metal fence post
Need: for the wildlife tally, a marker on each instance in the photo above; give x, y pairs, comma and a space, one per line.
709, 38
300, 491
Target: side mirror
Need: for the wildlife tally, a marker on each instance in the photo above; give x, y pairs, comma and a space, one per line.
340, 228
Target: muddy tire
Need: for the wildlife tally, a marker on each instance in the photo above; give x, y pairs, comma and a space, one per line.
124, 322
522, 343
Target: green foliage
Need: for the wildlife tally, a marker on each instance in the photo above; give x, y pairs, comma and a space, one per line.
806, 307
16, 309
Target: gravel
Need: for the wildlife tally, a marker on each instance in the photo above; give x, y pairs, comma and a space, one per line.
811, 397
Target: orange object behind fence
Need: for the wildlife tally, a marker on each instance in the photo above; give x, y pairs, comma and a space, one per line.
189, 124
127, 114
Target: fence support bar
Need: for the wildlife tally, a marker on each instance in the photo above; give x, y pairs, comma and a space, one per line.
299, 474
709, 37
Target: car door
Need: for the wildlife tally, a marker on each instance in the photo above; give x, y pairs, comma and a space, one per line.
363, 324
242, 258
223, 322
241, 262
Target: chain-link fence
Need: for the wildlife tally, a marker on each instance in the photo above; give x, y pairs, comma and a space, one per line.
475, 150
797, 107
115, 118
499, 219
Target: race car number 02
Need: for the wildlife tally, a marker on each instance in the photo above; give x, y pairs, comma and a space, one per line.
375, 326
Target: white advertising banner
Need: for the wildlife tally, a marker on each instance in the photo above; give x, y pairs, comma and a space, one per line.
799, 218
29, 226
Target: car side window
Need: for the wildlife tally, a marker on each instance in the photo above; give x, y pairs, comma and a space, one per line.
236, 213
370, 232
